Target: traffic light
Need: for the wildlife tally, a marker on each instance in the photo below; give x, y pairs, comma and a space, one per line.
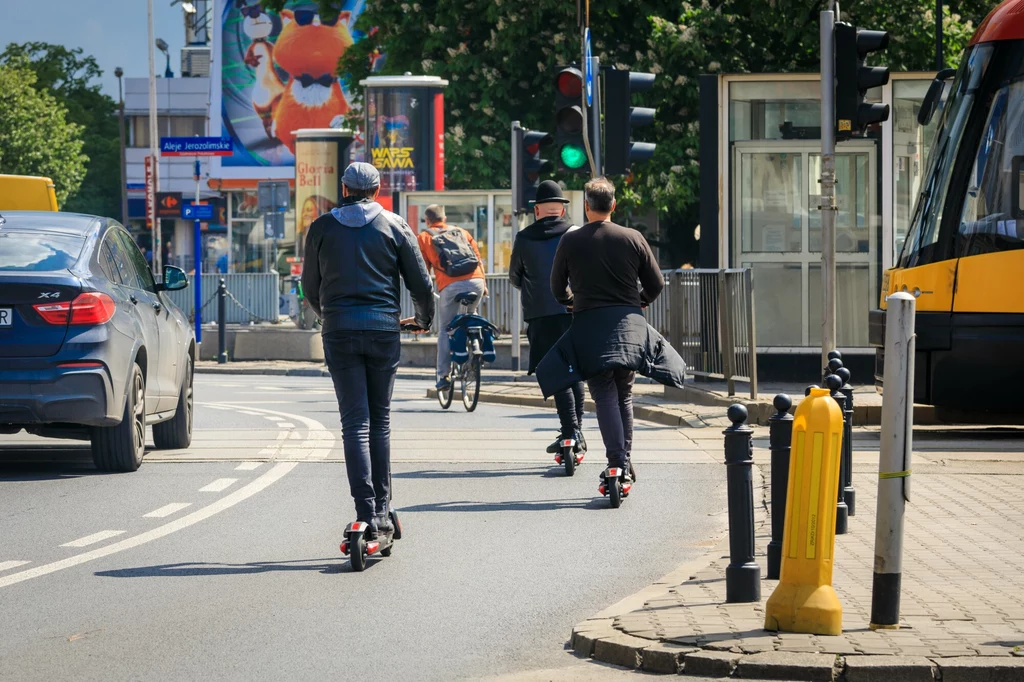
853, 79
527, 166
572, 154
620, 152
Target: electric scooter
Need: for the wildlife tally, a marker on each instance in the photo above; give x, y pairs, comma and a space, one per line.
357, 546
570, 454
616, 482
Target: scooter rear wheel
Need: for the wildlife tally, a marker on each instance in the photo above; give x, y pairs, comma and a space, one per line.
357, 552
614, 493
569, 460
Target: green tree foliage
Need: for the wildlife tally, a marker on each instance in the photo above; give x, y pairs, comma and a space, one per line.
35, 135
499, 58
72, 78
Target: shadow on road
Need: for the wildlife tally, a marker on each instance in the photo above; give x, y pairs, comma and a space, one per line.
525, 505
544, 472
211, 568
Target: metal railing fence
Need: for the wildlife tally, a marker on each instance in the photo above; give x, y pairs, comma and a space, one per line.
255, 297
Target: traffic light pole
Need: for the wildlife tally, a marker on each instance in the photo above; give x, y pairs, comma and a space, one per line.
595, 116
517, 211
828, 186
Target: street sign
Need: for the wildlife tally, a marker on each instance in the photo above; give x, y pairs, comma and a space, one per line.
273, 225
191, 211
588, 71
273, 196
196, 146
142, 185
150, 193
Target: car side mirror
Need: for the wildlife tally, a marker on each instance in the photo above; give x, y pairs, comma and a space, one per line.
174, 279
933, 96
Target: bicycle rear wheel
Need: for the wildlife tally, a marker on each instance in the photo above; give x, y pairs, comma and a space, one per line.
444, 397
471, 383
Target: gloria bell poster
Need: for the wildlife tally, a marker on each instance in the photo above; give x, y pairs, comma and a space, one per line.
275, 74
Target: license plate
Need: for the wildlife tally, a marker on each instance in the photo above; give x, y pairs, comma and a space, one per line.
6, 317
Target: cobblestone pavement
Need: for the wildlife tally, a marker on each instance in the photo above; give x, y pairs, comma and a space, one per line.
962, 593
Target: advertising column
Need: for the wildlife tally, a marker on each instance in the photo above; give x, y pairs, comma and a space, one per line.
405, 133
320, 158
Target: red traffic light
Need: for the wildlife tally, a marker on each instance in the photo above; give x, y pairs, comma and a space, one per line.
569, 83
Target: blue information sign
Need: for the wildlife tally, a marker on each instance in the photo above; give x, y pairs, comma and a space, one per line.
190, 211
588, 71
196, 146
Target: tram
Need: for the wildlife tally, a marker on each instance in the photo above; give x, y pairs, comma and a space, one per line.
963, 259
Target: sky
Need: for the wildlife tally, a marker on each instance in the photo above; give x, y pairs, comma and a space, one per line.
112, 31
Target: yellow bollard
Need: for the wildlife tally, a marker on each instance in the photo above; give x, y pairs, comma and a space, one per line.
804, 600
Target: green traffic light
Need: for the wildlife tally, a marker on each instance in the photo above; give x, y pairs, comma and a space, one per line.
573, 156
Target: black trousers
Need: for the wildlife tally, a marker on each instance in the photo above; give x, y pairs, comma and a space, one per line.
612, 391
363, 365
569, 404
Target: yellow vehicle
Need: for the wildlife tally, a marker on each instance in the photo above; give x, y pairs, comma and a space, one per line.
964, 255
27, 193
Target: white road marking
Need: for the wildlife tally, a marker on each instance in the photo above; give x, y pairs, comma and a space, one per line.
218, 407
273, 417
218, 485
318, 446
8, 565
167, 510
94, 538
249, 412
248, 466
286, 425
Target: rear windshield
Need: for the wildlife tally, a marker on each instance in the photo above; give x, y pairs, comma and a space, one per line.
28, 252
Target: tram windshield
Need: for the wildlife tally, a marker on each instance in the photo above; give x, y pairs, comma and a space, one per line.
976, 172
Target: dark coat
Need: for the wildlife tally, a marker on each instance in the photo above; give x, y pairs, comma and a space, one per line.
529, 268
609, 338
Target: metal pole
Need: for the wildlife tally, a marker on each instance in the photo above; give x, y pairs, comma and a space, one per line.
198, 259
849, 494
154, 139
595, 115
834, 383
828, 184
517, 213
939, 63
119, 72
222, 308
780, 438
894, 460
517, 316
742, 575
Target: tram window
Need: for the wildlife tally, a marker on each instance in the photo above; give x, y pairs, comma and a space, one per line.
989, 221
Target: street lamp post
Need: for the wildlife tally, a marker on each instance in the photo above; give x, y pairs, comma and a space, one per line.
154, 141
124, 173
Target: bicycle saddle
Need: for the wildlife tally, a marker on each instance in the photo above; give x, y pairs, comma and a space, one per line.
467, 298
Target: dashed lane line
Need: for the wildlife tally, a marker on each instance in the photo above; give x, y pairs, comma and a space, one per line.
286, 425
219, 485
8, 565
94, 538
167, 510
248, 466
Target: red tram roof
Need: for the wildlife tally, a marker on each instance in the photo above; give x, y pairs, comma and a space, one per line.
1005, 22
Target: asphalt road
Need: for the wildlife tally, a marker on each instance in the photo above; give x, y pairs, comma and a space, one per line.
222, 561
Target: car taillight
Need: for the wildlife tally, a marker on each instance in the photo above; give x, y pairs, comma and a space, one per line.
92, 307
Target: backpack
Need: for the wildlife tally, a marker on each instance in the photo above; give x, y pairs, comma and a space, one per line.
454, 252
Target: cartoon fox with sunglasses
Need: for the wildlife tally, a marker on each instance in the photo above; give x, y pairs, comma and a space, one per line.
308, 50
267, 89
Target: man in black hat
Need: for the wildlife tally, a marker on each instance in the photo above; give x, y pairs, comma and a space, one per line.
530, 271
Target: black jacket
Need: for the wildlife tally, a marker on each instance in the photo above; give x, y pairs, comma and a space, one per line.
608, 338
350, 276
530, 267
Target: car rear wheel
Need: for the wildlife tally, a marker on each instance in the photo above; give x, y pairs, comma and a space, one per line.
176, 433
121, 447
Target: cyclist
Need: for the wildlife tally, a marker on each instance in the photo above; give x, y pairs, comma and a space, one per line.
529, 270
354, 257
452, 253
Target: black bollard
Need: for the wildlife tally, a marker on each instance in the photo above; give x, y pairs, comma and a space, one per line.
743, 575
222, 306
848, 492
834, 383
829, 368
780, 438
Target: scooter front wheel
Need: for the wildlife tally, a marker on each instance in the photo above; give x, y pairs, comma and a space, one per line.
357, 552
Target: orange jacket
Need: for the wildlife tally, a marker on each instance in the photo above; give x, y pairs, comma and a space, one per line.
433, 263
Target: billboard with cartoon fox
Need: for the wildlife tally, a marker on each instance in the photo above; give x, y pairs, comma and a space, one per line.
274, 73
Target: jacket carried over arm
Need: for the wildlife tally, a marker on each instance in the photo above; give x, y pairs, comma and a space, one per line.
354, 258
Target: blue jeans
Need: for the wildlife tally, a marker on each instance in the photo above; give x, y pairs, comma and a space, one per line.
363, 365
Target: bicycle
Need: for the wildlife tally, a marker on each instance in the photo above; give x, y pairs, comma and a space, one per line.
472, 343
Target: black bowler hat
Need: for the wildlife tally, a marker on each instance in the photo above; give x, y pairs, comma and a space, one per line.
549, 192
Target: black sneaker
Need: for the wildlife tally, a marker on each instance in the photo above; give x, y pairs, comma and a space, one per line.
554, 447
371, 529
581, 443
384, 525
